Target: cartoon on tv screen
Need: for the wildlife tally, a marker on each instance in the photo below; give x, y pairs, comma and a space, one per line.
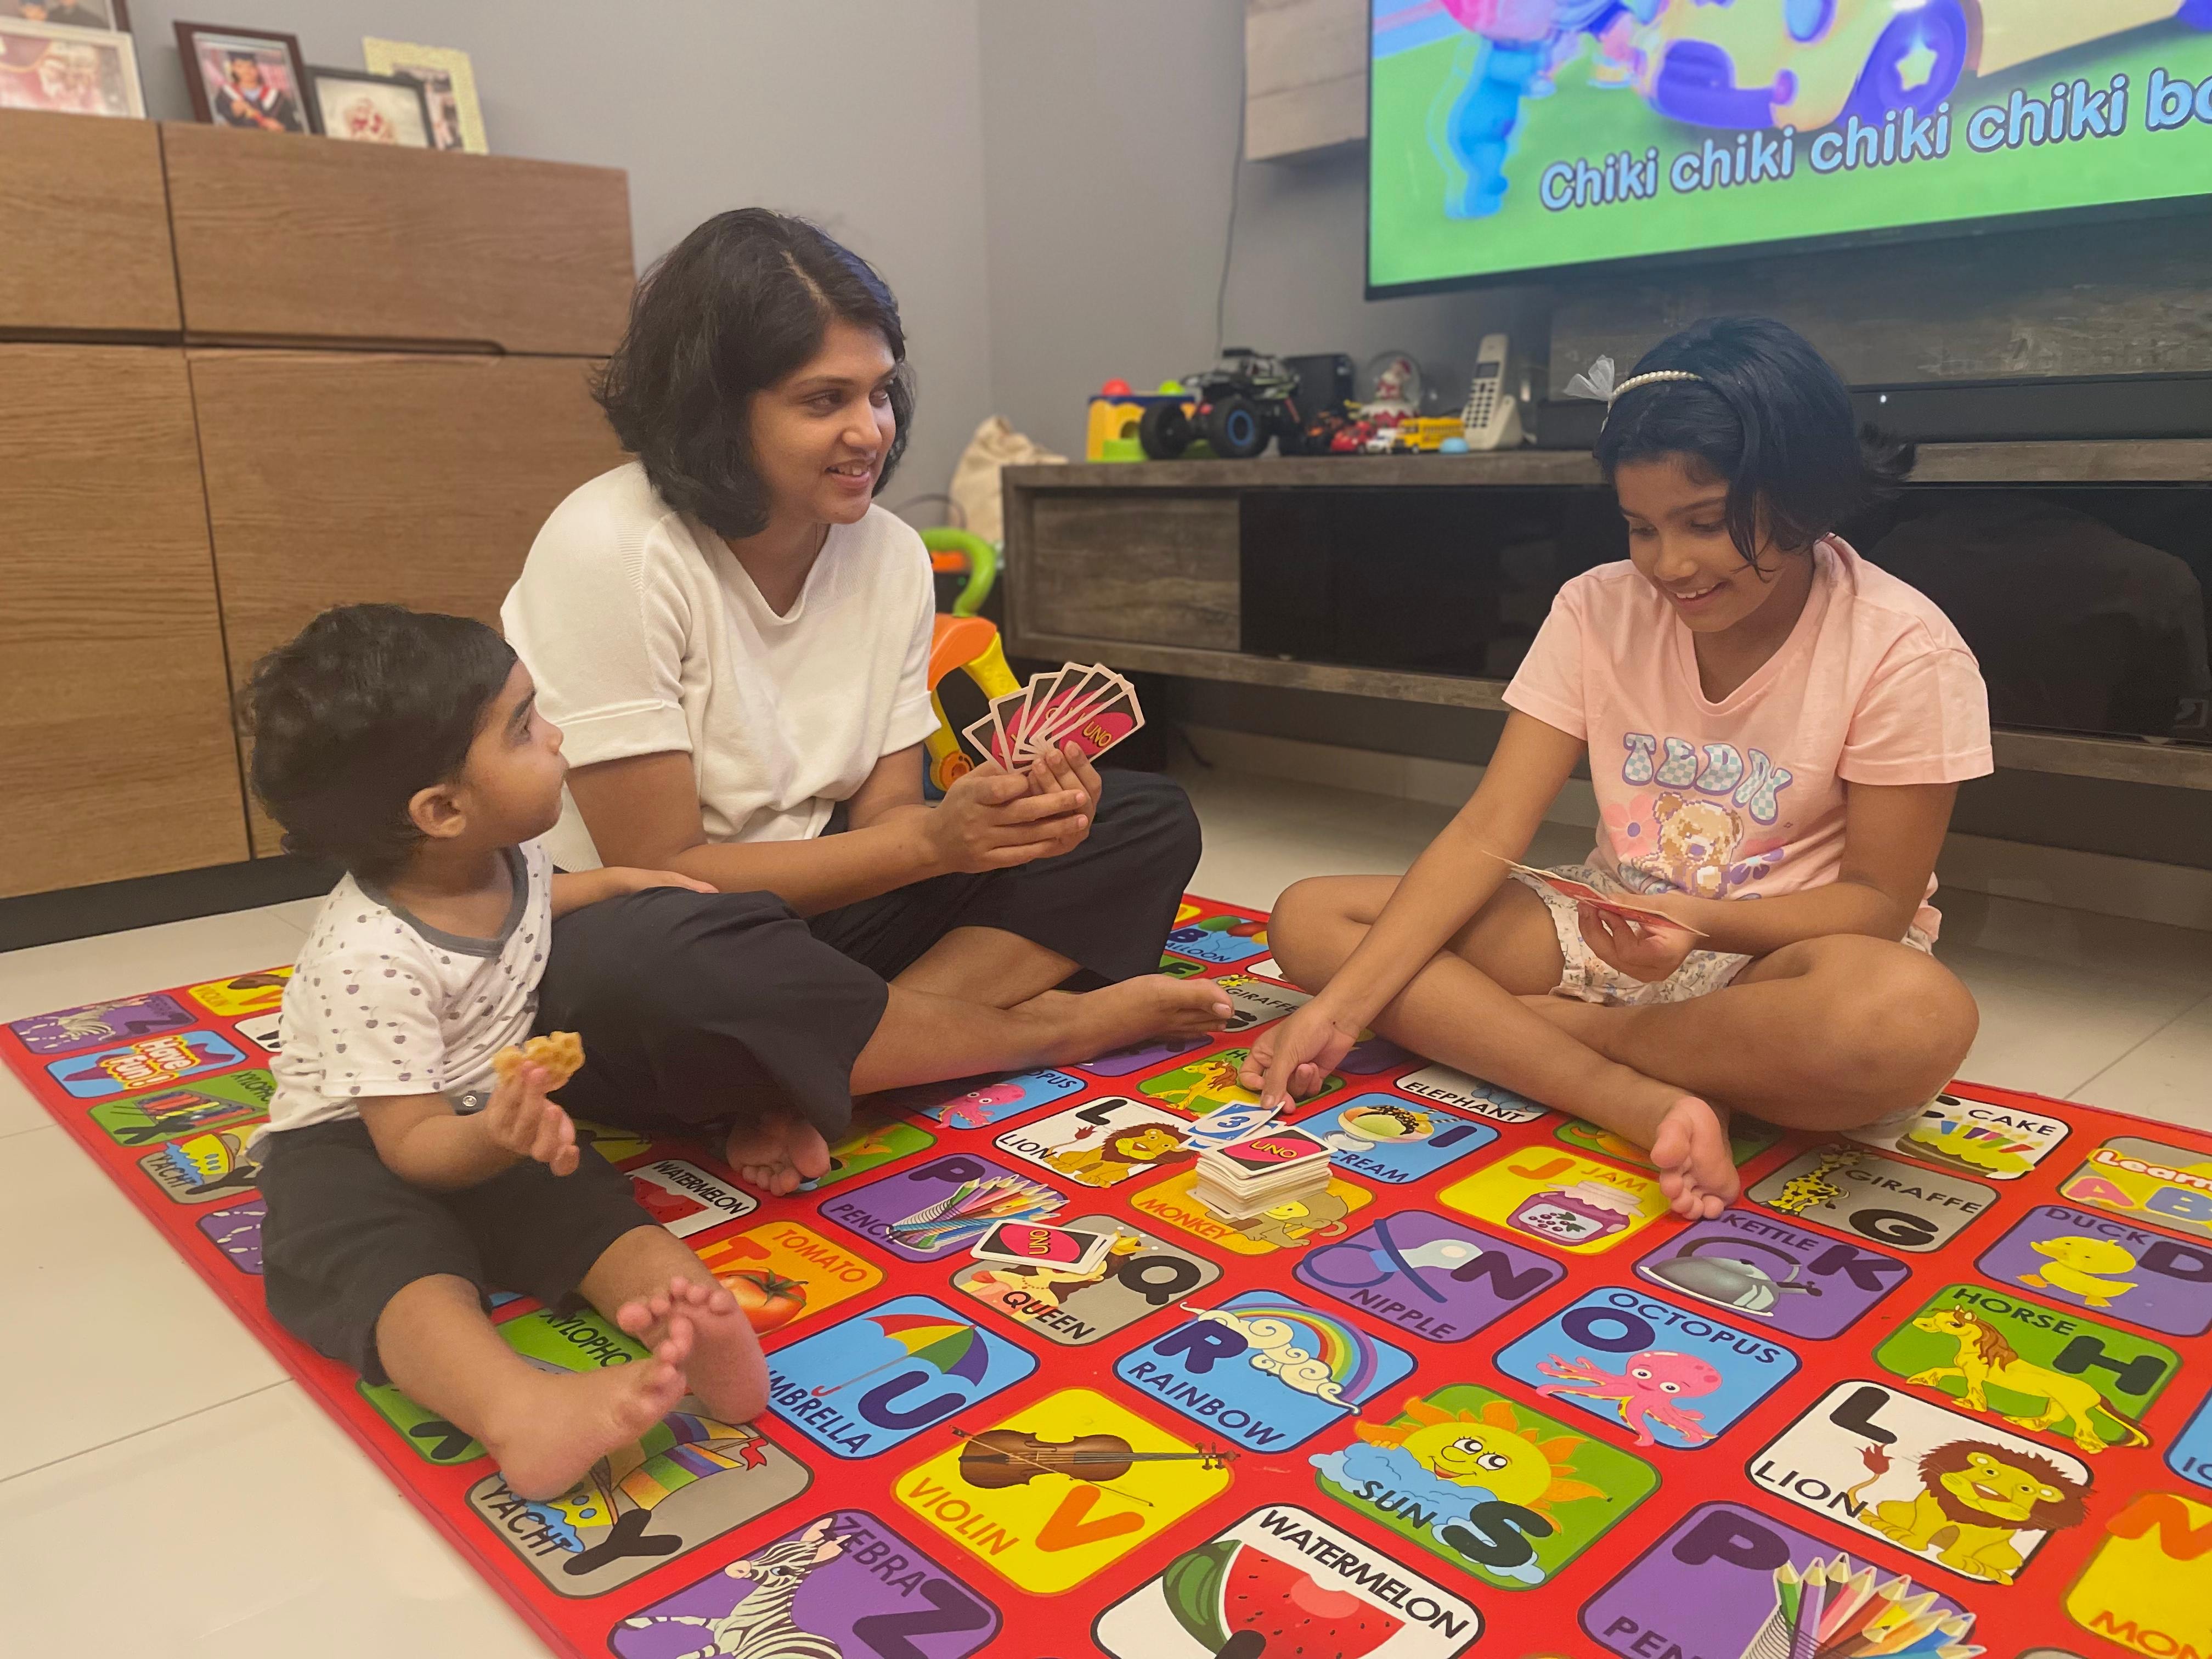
1515, 134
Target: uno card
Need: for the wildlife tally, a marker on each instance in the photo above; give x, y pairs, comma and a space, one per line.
1229, 1125
1029, 1244
1106, 724
1071, 691
1006, 715
1078, 698
987, 740
1274, 1149
1583, 893
1051, 700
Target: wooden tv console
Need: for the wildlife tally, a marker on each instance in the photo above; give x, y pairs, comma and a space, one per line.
1139, 565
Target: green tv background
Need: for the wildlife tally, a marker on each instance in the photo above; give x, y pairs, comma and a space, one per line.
1411, 240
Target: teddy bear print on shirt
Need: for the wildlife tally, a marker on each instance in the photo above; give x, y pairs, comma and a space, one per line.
1695, 843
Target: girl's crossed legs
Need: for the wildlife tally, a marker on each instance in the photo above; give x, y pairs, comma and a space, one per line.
1825, 1033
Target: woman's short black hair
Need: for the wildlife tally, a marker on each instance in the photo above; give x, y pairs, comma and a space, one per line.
1768, 414
368, 705
739, 304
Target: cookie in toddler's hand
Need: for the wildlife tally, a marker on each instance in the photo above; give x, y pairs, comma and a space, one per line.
561, 1053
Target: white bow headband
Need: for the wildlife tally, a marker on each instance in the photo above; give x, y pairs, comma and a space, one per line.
1598, 384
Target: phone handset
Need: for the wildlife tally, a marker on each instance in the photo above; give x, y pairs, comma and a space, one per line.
1492, 417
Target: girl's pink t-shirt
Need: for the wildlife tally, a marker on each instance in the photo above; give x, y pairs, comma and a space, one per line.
1745, 796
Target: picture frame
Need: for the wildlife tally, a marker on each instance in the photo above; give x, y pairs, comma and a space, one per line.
63, 70
108, 17
360, 107
249, 79
449, 84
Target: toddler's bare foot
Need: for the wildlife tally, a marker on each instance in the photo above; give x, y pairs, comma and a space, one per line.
808, 1151
1696, 1167
1079, 1028
726, 1369
557, 1427
776, 1153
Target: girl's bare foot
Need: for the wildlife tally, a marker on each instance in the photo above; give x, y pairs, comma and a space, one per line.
726, 1369
1688, 1136
1081, 1028
776, 1153
555, 1428
1696, 1167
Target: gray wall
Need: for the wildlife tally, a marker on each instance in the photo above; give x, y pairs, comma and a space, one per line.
1110, 136
863, 114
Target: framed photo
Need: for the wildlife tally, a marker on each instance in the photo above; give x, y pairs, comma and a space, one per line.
371, 109
108, 14
69, 70
449, 84
245, 78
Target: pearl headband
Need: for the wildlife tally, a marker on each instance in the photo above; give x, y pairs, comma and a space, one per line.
1598, 384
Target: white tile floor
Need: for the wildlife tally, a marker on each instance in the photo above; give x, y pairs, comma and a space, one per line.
253, 1526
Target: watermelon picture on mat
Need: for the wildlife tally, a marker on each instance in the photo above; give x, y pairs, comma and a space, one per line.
1282, 1580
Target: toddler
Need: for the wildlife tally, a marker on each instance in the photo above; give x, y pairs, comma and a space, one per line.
404, 1175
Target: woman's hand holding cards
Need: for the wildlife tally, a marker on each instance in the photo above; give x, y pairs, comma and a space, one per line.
990, 819
1063, 771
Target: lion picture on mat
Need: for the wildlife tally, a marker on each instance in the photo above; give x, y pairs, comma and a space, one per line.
1974, 1496
1121, 1154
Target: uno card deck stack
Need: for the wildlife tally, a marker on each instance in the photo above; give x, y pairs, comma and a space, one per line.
1093, 708
1250, 1177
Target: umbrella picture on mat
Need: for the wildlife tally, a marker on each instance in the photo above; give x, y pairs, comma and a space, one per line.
948, 1344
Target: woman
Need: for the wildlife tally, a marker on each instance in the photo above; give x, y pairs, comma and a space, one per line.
735, 641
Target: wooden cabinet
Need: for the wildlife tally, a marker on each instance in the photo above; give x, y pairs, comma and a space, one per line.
84, 231
336, 478
308, 240
1160, 567
231, 442
116, 754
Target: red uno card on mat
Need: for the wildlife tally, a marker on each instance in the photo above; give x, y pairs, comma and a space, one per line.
1025, 1243
1275, 1149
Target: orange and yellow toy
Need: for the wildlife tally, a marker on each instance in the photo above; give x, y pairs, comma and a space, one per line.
964, 640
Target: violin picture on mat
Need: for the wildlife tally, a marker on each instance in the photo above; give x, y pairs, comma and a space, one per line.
1060, 1490
998, 1458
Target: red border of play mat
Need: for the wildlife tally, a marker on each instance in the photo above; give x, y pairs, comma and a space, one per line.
2027, 1619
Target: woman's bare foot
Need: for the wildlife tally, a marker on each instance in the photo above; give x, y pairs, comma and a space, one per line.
726, 1369
1083, 1027
776, 1153
555, 1428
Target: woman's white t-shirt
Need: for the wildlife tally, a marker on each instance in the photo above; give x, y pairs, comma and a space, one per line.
646, 636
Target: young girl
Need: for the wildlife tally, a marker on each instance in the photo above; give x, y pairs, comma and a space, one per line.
1768, 718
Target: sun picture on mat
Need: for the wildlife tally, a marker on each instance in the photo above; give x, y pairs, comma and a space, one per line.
1487, 1448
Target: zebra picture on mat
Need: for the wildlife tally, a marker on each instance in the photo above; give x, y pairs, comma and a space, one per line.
759, 1626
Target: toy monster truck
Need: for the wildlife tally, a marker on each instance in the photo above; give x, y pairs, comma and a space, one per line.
1234, 407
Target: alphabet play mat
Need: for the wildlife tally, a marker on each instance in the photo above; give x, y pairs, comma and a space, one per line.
1932, 1398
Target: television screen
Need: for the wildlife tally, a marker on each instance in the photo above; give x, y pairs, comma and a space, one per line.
1515, 135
